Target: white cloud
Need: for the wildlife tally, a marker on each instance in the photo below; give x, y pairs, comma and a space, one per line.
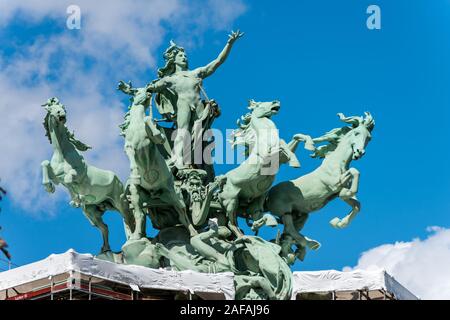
117, 40
422, 266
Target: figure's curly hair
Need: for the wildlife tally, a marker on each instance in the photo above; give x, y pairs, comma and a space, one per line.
169, 56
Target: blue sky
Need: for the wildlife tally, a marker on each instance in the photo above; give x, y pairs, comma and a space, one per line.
317, 57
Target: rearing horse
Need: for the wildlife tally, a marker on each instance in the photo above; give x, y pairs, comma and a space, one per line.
93, 189
247, 185
150, 177
294, 200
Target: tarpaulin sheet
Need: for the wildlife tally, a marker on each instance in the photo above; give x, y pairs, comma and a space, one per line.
332, 280
131, 275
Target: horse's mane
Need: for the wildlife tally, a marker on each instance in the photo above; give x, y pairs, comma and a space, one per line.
126, 122
244, 135
80, 146
47, 130
141, 100
332, 138
71, 136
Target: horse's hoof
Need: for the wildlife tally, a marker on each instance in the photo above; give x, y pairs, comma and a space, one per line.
342, 225
335, 222
301, 253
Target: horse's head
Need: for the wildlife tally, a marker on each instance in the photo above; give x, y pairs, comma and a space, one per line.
55, 111
264, 109
360, 134
245, 135
141, 97
56, 119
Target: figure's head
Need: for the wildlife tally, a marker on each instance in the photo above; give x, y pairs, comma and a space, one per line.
174, 56
181, 60
360, 134
56, 110
264, 109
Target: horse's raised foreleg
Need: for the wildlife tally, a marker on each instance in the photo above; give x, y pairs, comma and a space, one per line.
344, 222
47, 174
290, 228
349, 196
94, 216
350, 175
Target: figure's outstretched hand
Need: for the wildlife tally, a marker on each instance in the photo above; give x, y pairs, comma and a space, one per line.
234, 35
124, 87
121, 85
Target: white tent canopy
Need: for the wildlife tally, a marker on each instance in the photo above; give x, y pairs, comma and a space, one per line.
206, 285
131, 275
335, 281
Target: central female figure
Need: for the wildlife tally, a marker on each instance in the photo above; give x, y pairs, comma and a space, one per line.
178, 95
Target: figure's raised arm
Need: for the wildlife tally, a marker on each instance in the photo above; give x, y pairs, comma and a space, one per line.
209, 69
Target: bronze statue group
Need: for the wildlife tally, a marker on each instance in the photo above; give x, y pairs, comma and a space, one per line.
195, 211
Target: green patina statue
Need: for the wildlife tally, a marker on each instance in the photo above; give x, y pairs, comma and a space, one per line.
253, 260
150, 177
178, 93
94, 190
294, 200
196, 212
247, 185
